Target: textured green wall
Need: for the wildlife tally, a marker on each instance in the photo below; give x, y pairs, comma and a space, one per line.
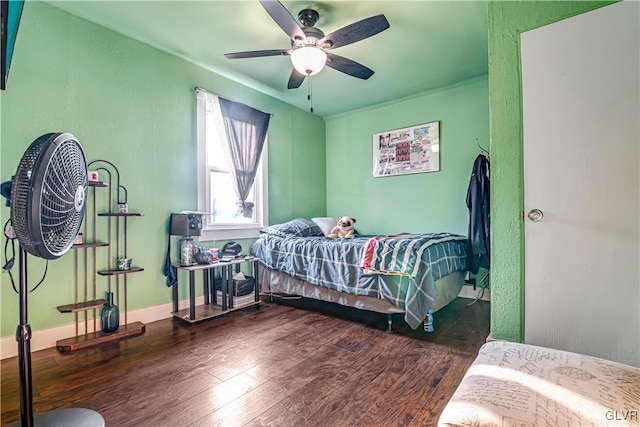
135, 106
506, 21
434, 201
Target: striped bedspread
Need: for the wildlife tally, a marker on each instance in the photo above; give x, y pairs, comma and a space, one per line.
402, 254
410, 265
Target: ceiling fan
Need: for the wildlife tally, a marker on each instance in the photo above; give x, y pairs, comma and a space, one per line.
310, 46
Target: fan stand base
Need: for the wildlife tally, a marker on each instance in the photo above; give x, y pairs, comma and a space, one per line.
76, 417
71, 417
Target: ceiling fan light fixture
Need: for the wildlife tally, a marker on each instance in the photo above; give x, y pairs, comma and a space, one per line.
308, 60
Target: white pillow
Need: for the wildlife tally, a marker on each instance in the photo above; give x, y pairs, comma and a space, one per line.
326, 224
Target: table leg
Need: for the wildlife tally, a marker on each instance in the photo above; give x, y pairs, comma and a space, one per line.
205, 285
230, 290
212, 285
174, 292
192, 295
254, 270
224, 287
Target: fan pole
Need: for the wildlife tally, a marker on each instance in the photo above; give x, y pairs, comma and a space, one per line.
23, 336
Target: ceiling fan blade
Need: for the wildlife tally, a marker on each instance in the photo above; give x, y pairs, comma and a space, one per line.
295, 80
283, 18
348, 66
355, 32
258, 53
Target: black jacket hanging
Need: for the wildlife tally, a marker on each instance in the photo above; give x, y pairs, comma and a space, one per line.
479, 216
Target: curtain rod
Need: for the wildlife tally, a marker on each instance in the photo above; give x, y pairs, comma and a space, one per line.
204, 90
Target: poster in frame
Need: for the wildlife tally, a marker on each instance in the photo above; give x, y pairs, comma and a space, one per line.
414, 149
409, 150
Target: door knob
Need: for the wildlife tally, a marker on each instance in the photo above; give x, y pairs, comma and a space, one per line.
535, 215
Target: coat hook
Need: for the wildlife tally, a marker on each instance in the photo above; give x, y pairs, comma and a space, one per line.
482, 149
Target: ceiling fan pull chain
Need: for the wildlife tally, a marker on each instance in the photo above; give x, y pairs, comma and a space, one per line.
309, 93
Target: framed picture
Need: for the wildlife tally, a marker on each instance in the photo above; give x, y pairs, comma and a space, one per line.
414, 149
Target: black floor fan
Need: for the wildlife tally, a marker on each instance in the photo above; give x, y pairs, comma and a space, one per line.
47, 200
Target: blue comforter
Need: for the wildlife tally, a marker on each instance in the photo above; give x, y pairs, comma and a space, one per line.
336, 264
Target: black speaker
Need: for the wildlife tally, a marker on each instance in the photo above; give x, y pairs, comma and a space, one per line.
186, 224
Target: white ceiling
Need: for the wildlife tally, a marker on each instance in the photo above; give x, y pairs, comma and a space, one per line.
429, 44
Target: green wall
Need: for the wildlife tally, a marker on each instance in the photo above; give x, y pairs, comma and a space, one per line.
506, 21
134, 106
426, 202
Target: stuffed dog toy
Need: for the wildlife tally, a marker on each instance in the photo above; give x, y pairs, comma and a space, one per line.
344, 229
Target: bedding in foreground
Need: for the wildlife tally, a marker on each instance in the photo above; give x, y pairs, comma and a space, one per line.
302, 251
511, 384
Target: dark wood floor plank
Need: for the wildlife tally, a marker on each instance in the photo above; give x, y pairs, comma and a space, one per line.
277, 416
323, 365
363, 396
253, 403
189, 411
432, 408
155, 398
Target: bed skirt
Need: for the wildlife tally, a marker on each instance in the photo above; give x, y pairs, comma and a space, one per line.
273, 281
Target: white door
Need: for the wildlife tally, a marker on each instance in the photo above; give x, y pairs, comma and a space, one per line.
581, 118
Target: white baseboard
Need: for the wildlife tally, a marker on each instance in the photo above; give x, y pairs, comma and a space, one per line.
47, 338
468, 292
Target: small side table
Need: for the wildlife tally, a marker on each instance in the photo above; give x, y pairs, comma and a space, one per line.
212, 307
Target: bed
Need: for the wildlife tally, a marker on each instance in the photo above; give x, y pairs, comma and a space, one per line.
512, 384
413, 274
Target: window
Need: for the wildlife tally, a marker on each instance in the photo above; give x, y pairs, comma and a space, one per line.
217, 195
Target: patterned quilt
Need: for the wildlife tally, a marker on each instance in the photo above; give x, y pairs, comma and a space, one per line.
511, 384
337, 264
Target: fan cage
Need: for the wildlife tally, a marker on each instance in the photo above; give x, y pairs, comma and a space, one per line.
48, 194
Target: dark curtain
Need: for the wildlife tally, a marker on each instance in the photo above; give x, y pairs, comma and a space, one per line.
246, 130
479, 216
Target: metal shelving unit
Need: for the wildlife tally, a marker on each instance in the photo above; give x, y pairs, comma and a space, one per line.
86, 272
228, 301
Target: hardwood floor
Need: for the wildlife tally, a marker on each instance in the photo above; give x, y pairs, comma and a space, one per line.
278, 365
